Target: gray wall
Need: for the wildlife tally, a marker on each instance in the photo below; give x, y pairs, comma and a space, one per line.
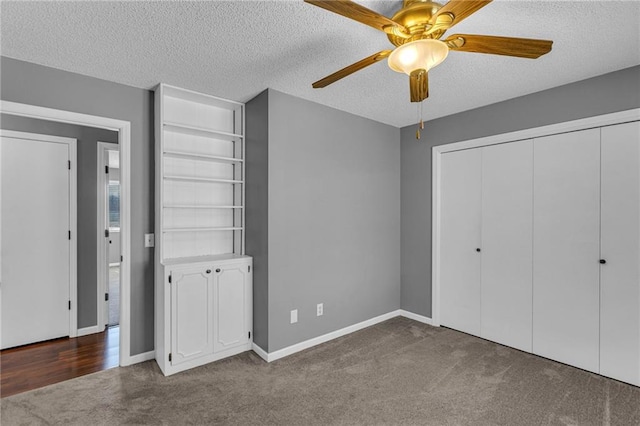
333, 215
256, 210
87, 200
33, 84
617, 91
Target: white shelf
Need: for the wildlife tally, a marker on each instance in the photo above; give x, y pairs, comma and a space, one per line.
199, 179
201, 131
200, 229
202, 259
194, 206
201, 98
202, 157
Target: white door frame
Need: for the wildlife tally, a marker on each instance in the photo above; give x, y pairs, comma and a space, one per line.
124, 141
102, 224
437, 151
73, 214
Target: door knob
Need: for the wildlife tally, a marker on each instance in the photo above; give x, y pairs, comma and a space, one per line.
602, 261
478, 250
208, 271
217, 270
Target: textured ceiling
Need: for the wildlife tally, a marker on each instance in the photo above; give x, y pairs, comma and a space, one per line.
237, 49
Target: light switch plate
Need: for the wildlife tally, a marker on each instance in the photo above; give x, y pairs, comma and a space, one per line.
149, 240
294, 316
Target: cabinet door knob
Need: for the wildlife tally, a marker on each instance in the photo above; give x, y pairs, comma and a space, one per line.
218, 270
478, 250
208, 271
602, 261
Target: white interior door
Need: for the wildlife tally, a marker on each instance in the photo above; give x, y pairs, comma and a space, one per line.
35, 241
566, 248
620, 248
460, 229
507, 222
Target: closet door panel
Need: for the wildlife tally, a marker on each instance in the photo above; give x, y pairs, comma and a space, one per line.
507, 216
566, 248
620, 247
460, 236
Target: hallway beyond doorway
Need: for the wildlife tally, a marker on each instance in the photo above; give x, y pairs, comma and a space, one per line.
114, 295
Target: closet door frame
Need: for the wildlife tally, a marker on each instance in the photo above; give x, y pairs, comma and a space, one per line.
437, 151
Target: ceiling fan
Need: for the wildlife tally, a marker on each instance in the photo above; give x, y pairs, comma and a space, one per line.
416, 30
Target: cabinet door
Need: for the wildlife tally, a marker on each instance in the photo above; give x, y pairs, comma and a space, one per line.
459, 238
191, 314
566, 214
506, 257
620, 247
232, 288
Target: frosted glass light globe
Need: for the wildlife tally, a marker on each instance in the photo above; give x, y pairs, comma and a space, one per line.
420, 54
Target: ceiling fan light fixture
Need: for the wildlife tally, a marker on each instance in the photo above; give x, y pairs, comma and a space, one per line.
420, 54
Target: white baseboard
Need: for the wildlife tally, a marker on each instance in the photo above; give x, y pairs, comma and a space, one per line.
272, 356
290, 350
416, 317
89, 330
145, 356
260, 352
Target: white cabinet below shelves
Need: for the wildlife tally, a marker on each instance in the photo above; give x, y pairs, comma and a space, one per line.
205, 311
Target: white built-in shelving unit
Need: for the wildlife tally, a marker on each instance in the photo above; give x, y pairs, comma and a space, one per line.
203, 277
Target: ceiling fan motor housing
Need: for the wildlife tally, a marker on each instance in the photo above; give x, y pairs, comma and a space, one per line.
415, 16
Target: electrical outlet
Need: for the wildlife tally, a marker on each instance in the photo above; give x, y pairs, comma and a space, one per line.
149, 240
294, 316
320, 309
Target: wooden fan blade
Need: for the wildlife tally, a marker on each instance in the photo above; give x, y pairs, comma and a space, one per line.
453, 13
351, 69
508, 46
363, 15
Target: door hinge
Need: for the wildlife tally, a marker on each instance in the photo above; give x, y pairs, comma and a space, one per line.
106, 233
249, 335
169, 279
106, 297
106, 169
69, 164
249, 270
169, 357
69, 304
121, 258
69, 234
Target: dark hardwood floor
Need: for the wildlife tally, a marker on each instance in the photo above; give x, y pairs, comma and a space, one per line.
41, 364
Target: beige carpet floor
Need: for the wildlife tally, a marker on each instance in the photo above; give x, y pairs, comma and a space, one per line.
397, 372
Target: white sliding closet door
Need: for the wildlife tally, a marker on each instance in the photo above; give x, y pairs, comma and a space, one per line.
460, 237
620, 248
507, 216
566, 211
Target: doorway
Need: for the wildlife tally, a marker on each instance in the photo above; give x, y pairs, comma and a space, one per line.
123, 128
